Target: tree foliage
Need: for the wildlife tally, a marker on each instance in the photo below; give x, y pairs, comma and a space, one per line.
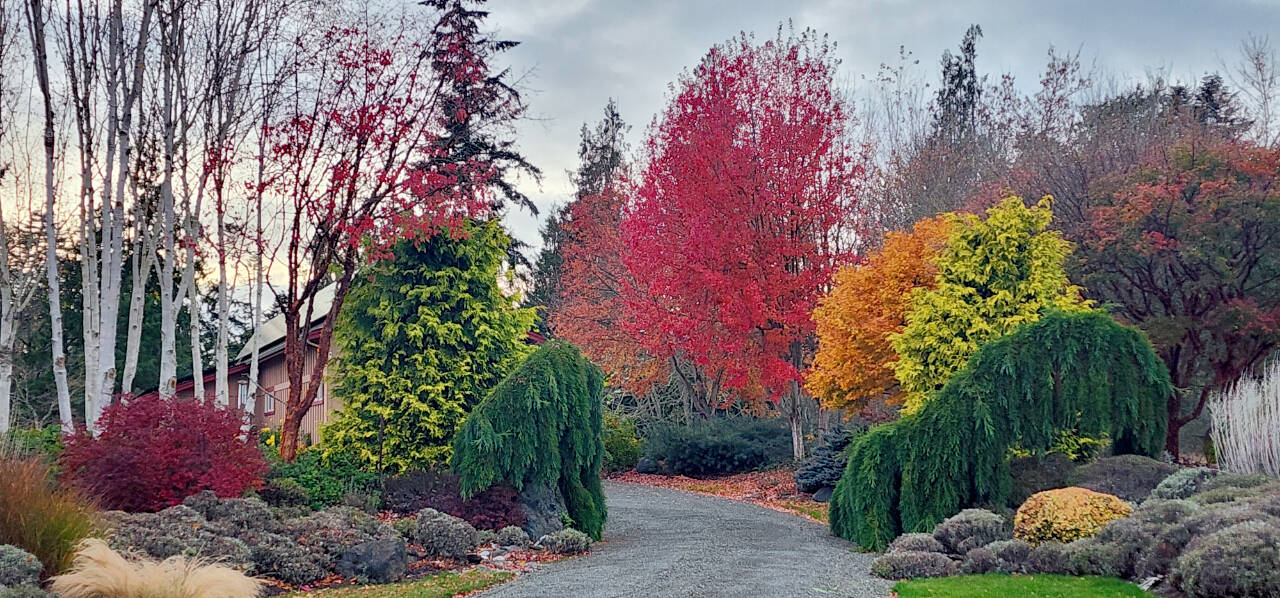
733, 227
1188, 249
1067, 371
868, 304
422, 339
994, 275
542, 426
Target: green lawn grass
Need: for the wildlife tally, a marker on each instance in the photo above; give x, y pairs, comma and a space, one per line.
1023, 586
443, 585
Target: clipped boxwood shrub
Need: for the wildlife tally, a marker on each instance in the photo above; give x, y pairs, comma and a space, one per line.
913, 565
1066, 514
1130, 477
1090, 557
540, 427
1049, 558
979, 561
971, 528
718, 446
1012, 556
512, 536
911, 474
1241, 560
1184, 482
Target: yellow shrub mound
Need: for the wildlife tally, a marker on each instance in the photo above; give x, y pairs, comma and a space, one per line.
1066, 514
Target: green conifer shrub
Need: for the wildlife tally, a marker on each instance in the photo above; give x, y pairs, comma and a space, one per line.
541, 426
423, 337
1068, 371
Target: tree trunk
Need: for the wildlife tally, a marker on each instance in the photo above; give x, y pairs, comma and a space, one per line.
35, 21
7, 318
220, 353
141, 269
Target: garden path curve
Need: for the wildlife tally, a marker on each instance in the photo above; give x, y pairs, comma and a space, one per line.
662, 543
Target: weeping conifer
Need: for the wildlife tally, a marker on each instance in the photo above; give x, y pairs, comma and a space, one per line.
1068, 371
540, 427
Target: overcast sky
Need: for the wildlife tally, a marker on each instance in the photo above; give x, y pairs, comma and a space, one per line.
576, 54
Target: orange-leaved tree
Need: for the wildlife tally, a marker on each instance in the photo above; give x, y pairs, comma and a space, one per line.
590, 304
868, 303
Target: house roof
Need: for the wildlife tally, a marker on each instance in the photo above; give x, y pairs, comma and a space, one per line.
272, 331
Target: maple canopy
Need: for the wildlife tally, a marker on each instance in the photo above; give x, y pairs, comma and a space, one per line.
868, 304
737, 220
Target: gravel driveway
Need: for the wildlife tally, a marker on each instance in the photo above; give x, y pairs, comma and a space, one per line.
662, 543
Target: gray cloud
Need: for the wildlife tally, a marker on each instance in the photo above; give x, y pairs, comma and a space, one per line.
576, 54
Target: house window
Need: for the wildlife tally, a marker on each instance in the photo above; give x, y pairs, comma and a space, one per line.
268, 403
242, 394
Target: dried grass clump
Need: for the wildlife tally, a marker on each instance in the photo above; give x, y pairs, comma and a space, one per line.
1246, 423
99, 572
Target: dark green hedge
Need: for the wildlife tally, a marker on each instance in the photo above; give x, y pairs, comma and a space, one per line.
1077, 371
540, 426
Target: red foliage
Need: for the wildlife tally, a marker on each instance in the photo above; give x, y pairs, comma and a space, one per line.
1188, 249
493, 509
592, 278
151, 453
748, 203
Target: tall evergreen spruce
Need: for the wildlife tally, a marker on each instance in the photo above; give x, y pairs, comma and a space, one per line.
602, 155
542, 426
423, 337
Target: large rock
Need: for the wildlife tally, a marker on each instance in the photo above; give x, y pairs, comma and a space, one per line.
544, 510
824, 494
375, 561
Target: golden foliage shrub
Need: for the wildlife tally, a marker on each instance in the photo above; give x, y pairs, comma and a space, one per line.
868, 304
1066, 514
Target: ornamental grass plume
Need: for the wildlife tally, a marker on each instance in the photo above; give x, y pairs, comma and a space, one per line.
99, 572
40, 515
1246, 423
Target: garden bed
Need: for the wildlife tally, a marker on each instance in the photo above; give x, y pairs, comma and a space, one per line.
773, 489
442, 585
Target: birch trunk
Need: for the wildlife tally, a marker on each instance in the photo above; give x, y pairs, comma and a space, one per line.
35, 24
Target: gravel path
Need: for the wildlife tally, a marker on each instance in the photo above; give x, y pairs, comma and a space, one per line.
662, 543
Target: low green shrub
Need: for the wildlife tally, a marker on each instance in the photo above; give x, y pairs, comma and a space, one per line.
971, 528
324, 480
25, 591
913, 565
622, 446
566, 541
1241, 560
1130, 477
443, 535
916, 542
1184, 482
718, 446
43, 442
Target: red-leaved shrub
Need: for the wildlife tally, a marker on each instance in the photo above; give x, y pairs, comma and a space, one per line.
151, 453
412, 491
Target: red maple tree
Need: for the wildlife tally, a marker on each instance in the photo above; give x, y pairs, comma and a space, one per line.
592, 279
747, 204
357, 162
1188, 249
